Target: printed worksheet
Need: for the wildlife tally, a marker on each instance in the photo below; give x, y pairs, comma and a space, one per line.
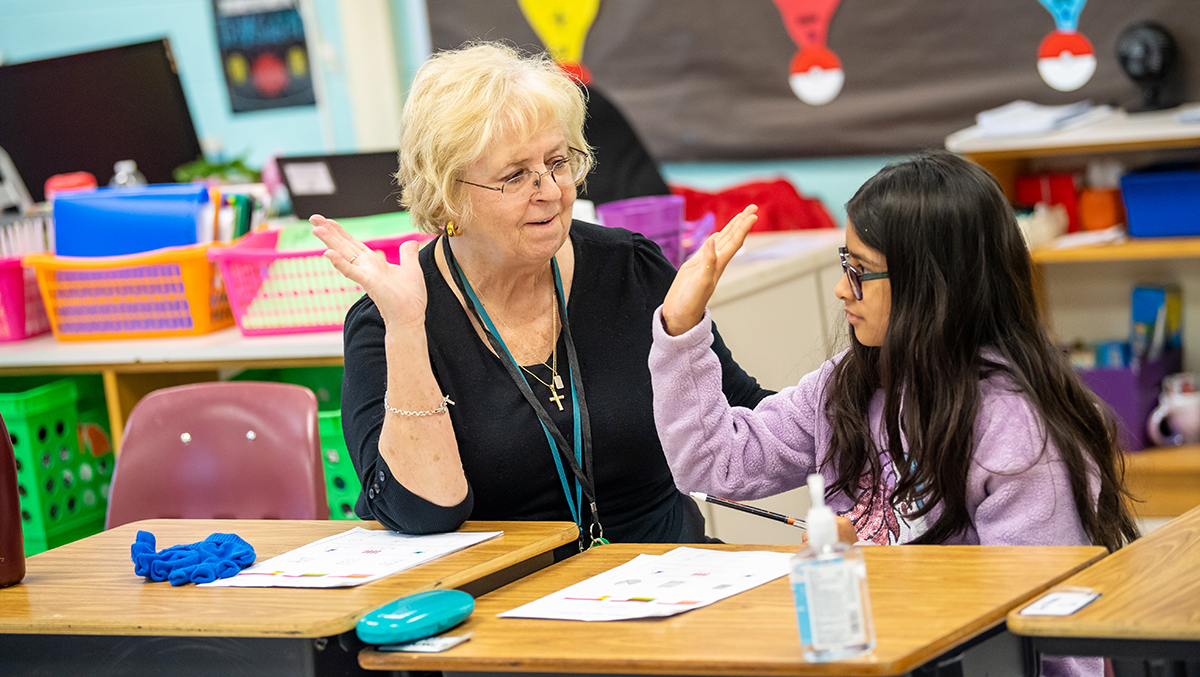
350, 558
658, 585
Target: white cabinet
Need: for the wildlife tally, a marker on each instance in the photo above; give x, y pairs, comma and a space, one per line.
776, 310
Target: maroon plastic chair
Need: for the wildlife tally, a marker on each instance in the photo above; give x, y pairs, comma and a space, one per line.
234, 450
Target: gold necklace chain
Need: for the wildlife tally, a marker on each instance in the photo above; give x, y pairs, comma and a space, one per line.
556, 382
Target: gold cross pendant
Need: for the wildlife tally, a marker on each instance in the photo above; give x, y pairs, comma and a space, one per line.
556, 398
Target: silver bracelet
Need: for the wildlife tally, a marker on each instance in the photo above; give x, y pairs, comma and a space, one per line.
440, 410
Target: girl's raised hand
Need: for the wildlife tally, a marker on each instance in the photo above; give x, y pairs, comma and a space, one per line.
397, 290
697, 278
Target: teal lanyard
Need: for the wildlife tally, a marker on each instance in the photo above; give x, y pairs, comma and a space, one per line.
581, 442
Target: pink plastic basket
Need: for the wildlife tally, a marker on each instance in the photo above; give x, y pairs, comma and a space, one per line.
22, 312
290, 292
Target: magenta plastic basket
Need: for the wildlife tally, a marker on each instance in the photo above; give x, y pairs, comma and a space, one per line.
290, 292
658, 217
22, 312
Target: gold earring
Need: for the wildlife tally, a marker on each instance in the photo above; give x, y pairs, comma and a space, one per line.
452, 230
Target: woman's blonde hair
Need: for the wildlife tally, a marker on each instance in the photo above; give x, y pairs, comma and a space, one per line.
461, 103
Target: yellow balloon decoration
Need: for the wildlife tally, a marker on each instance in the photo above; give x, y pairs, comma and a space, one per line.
562, 25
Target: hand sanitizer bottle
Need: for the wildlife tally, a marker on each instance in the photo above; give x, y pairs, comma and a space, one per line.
829, 582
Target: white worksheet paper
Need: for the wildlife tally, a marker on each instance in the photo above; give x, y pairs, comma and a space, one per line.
649, 586
350, 558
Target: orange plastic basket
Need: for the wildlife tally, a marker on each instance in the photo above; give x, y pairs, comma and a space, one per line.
173, 291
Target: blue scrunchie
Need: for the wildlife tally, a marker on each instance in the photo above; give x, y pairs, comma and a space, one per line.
218, 556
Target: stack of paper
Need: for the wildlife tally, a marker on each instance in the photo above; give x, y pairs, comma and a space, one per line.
1024, 117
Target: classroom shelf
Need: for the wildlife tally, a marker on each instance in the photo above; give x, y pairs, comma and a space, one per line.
1119, 132
1138, 249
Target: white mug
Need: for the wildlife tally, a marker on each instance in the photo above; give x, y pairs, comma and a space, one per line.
1182, 413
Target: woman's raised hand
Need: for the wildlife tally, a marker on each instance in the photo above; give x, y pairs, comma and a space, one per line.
397, 290
697, 277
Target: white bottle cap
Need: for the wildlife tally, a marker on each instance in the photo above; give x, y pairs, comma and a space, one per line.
822, 528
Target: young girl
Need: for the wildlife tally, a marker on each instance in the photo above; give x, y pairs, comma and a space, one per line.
952, 418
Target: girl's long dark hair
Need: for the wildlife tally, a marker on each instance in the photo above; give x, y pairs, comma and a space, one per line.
963, 309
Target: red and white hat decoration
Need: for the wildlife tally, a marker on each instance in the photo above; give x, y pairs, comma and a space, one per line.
815, 75
1066, 59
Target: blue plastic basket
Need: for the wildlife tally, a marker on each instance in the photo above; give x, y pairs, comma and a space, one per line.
1161, 201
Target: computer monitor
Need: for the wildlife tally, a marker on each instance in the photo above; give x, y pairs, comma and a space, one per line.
342, 185
84, 112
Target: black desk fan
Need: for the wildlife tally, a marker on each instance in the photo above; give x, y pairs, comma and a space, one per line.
1147, 54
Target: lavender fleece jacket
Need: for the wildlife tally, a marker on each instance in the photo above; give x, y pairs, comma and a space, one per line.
1018, 489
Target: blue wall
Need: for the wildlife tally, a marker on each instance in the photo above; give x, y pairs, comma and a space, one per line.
832, 180
38, 29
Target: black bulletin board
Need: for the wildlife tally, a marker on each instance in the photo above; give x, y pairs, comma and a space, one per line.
707, 79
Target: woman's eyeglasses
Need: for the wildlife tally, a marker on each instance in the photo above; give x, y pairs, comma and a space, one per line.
854, 277
564, 171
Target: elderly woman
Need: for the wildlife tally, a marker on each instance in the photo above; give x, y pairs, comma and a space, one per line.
500, 372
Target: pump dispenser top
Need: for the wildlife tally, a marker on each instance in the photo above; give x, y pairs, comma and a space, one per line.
822, 527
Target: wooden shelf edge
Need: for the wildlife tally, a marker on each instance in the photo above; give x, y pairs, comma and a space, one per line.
1138, 249
1080, 148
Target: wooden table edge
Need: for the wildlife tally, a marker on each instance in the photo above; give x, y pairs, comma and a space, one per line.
1082, 628
372, 659
1085, 630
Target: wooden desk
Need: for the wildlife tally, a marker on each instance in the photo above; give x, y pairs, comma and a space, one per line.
1149, 605
926, 600
81, 607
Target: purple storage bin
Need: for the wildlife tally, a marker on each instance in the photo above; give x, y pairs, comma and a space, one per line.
1133, 394
694, 235
658, 217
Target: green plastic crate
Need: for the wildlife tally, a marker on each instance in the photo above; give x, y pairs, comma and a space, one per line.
63, 492
83, 529
95, 432
341, 482
325, 382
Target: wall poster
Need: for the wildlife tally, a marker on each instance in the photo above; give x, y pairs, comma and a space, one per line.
263, 54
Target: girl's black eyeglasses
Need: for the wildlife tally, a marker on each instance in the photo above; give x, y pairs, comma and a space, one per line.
854, 277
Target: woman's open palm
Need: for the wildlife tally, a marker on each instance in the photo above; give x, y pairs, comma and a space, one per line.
697, 278
397, 290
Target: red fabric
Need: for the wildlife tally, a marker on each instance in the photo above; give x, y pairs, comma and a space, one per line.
1055, 189
780, 206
